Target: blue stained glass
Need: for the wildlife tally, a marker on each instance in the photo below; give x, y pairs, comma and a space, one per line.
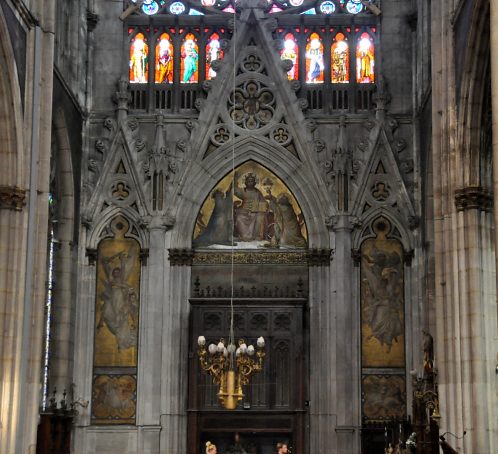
194, 12
177, 8
150, 7
309, 11
327, 7
354, 7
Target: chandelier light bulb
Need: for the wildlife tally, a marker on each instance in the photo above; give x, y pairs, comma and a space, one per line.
225, 352
201, 340
250, 350
221, 346
231, 348
260, 342
212, 349
237, 352
243, 348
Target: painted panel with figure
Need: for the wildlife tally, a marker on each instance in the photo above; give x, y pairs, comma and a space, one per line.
117, 299
254, 206
114, 399
382, 299
383, 397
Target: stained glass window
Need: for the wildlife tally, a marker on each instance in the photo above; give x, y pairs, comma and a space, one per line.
153, 7
138, 59
291, 52
327, 7
213, 52
365, 59
339, 58
189, 70
164, 60
314, 59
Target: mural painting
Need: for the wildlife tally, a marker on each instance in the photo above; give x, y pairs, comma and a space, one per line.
117, 299
256, 208
114, 399
384, 397
382, 299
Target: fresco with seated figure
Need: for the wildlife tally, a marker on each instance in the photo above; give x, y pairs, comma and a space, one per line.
250, 208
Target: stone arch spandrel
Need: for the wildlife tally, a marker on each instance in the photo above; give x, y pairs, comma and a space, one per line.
311, 196
12, 159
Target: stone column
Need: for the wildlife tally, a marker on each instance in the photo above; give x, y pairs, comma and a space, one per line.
153, 303
322, 368
493, 20
174, 344
347, 393
334, 354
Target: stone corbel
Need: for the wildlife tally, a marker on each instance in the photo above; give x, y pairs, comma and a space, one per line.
12, 198
144, 255
356, 256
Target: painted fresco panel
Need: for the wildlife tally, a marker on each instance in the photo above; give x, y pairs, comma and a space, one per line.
117, 299
384, 397
114, 399
382, 300
256, 207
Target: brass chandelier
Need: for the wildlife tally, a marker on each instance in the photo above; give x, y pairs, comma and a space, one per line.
231, 367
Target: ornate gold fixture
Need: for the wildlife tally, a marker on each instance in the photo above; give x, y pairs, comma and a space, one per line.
231, 367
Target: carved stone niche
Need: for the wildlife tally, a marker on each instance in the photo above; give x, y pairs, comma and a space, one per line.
473, 198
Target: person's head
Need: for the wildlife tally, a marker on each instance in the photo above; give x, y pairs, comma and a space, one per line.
210, 448
282, 448
250, 180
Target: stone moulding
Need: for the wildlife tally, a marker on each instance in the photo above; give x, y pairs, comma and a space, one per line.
12, 198
311, 257
473, 198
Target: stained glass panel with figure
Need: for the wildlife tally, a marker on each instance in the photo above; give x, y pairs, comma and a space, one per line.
365, 60
339, 56
291, 52
139, 49
314, 59
164, 60
189, 70
213, 53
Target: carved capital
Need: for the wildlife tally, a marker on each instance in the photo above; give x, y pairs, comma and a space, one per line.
319, 257
181, 257
473, 198
12, 198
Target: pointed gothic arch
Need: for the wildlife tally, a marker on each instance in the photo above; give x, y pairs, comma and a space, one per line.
12, 158
310, 195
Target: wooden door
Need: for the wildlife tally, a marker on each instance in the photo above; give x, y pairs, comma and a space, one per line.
273, 406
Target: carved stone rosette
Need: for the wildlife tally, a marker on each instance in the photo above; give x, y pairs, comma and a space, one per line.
12, 198
473, 198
